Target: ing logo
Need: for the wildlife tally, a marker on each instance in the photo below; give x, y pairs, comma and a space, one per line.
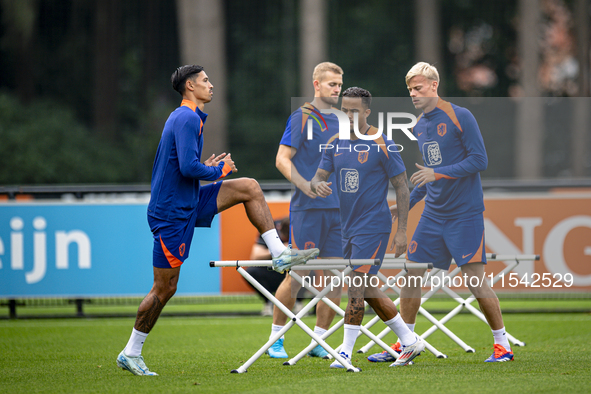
182, 249
363, 157
317, 117
412, 247
309, 245
441, 129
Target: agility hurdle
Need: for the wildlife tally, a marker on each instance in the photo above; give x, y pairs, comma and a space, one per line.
318, 264
463, 303
364, 328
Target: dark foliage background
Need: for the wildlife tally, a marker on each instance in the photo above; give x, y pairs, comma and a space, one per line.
84, 99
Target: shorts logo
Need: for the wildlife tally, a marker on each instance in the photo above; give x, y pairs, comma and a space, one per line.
412, 247
441, 129
349, 180
432, 154
309, 245
363, 157
182, 249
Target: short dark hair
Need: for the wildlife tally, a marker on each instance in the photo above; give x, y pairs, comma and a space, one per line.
181, 74
359, 92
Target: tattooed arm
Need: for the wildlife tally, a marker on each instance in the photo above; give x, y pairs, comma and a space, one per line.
400, 183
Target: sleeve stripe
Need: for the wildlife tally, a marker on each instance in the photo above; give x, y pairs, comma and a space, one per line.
334, 137
380, 140
446, 107
441, 176
226, 170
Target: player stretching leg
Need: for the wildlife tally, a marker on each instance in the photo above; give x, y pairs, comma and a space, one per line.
362, 183
178, 204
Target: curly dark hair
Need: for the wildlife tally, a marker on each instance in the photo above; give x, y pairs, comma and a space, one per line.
359, 92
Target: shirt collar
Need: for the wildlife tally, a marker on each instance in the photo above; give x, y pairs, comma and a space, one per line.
193, 106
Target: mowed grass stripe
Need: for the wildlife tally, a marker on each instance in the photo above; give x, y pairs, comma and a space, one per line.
197, 354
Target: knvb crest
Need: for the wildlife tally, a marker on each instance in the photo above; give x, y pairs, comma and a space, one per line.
309, 245
363, 157
441, 129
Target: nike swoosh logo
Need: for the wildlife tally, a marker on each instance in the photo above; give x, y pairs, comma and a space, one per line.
466, 255
337, 154
420, 134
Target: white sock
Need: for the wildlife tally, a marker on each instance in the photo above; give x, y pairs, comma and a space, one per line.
273, 242
411, 327
500, 337
351, 333
405, 335
135, 344
275, 329
319, 331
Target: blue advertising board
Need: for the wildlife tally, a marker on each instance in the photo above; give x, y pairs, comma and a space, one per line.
85, 250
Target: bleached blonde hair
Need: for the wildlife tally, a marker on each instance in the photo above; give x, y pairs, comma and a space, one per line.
425, 69
320, 69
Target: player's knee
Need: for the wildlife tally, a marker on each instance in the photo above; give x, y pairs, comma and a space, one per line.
355, 292
165, 291
251, 187
413, 282
373, 293
255, 188
478, 288
163, 295
478, 293
413, 278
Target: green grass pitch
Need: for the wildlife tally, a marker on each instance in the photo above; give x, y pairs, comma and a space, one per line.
196, 354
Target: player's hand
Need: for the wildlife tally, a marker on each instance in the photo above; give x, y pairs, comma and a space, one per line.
399, 242
322, 189
228, 160
394, 212
213, 161
425, 175
306, 189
